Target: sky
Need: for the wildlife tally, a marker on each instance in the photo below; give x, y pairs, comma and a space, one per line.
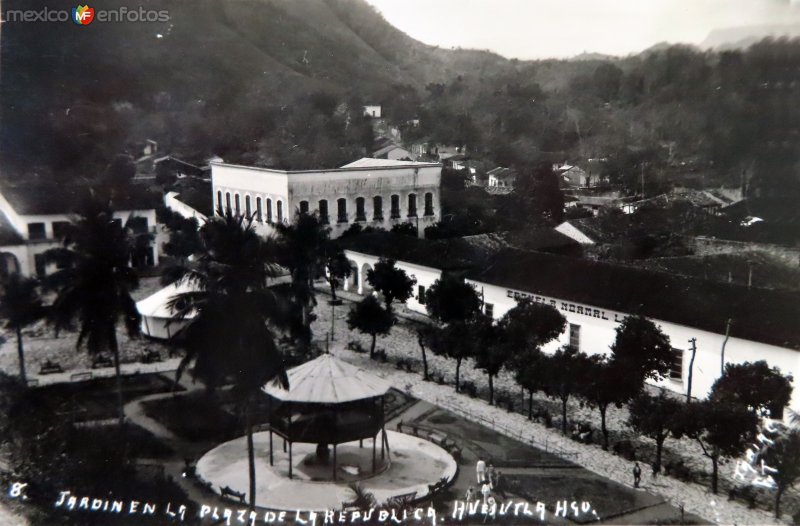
530, 29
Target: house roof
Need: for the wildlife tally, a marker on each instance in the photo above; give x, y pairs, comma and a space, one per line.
388, 148
368, 162
52, 198
602, 229
502, 173
328, 380
542, 239
8, 236
767, 316
445, 254
157, 304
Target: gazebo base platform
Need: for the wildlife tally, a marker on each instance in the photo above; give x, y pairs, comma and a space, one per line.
415, 463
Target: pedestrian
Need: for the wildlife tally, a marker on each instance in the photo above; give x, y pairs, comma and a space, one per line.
486, 490
637, 475
470, 496
480, 470
490, 474
498, 484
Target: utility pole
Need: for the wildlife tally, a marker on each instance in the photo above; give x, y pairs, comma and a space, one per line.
722, 355
693, 341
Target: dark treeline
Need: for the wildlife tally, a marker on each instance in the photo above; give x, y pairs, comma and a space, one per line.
281, 84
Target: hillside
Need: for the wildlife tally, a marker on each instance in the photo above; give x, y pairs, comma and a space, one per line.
116, 82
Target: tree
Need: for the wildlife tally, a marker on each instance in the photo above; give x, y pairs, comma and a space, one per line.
784, 457
390, 281
563, 375
94, 284
654, 417
20, 306
233, 314
524, 329
451, 300
121, 171
425, 334
369, 317
338, 269
454, 341
641, 350
302, 247
721, 430
754, 386
184, 236
491, 352
605, 384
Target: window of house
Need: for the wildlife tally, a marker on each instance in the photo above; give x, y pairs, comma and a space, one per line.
279, 210
303, 207
219, 202
36, 231
676, 367
421, 294
247, 210
377, 208
269, 210
361, 213
341, 205
412, 205
227, 202
323, 211
61, 229
428, 204
259, 214
575, 336
238, 205
488, 309
41, 264
395, 206
138, 225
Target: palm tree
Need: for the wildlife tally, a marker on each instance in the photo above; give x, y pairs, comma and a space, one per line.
20, 305
94, 284
302, 248
234, 314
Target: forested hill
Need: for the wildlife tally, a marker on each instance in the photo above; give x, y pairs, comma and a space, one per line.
264, 81
67, 89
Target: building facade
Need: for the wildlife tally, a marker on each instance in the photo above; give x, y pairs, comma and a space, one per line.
371, 192
591, 323
35, 220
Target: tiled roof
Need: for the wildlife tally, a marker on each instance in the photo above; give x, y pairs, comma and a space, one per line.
51, 198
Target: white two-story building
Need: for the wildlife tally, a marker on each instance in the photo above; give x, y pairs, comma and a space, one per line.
35, 218
371, 192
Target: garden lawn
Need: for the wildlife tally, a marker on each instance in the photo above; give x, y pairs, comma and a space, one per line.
196, 417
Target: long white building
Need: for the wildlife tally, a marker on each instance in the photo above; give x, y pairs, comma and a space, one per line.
371, 192
594, 297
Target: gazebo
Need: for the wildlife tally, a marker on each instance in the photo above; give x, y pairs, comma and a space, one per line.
329, 402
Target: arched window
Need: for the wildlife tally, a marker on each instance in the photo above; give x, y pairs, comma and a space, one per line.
428, 204
341, 206
227, 202
395, 206
377, 208
219, 206
303, 207
259, 214
412, 205
247, 211
361, 213
238, 205
279, 208
323, 212
269, 210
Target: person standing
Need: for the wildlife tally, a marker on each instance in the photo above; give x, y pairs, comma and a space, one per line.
486, 491
490, 474
470, 496
480, 470
498, 484
637, 475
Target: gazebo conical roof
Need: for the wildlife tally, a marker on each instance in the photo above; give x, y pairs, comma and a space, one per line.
328, 380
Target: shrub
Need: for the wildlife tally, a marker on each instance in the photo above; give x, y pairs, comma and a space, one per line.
356, 347
469, 388
380, 355
625, 449
679, 470
401, 363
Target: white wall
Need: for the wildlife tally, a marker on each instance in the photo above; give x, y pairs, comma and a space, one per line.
172, 201
598, 333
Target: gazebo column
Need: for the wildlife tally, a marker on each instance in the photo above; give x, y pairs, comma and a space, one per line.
374, 440
270, 447
290, 460
334, 462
